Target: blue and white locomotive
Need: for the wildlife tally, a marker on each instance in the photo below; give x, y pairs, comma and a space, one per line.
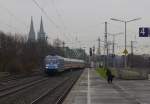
54, 64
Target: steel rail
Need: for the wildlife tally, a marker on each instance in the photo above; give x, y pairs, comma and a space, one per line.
10, 87
19, 88
50, 91
63, 96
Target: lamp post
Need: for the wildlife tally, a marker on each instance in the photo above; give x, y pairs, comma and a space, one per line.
125, 22
84, 53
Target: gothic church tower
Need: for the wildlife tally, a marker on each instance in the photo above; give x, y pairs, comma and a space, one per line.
31, 37
41, 33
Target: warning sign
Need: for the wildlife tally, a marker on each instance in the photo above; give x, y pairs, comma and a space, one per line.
125, 52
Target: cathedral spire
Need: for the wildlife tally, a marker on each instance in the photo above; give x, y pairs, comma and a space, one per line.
41, 33
31, 36
41, 26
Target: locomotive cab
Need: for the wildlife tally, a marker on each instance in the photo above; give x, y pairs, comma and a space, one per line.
52, 64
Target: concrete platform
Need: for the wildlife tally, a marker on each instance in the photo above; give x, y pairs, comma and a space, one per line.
91, 89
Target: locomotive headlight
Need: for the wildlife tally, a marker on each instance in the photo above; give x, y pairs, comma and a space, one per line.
46, 66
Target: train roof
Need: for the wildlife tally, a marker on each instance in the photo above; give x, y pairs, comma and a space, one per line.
65, 59
53, 57
73, 60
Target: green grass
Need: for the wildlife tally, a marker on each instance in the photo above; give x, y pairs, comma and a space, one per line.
102, 72
124, 74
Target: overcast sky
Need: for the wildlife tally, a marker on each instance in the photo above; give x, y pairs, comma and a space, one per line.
81, 20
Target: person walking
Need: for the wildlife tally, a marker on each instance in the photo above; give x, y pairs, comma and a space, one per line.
109, 76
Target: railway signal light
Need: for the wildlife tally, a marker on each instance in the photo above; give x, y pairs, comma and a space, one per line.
91, 52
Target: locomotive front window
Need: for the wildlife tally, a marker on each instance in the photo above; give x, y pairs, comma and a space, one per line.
51, 61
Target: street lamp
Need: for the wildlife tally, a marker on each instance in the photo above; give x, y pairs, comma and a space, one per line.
125, 62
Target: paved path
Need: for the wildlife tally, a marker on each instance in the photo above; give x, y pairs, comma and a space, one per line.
91, 89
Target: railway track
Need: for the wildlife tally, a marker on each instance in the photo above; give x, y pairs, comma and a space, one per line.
10, 90
19, 82
43, 91
49, 91
57, 94
16, 80
64, 94
17, 77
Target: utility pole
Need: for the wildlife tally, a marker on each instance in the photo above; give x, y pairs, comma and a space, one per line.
63, 43
113, 46
99, 46
99, 52
93, 56
113, 51
90, 56
84, 53
106, 46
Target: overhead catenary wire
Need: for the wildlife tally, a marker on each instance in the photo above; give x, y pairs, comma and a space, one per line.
60, 18
45, 13
10, 26
62, 22
48, 17
15, 17
58, 14
37, 4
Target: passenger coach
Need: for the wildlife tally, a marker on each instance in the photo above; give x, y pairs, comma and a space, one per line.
53, 64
